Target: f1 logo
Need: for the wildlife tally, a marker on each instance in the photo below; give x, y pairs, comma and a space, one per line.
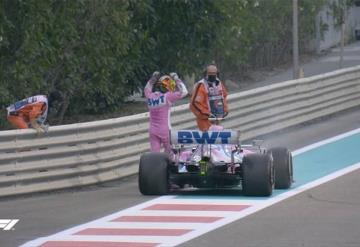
7, 224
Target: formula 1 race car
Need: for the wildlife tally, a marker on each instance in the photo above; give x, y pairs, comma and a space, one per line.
215, 159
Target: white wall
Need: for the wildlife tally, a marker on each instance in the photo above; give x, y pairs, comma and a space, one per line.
332, 36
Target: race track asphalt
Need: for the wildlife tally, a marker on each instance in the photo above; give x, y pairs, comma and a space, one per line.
326, 216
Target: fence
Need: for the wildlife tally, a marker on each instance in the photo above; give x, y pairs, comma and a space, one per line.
87, 153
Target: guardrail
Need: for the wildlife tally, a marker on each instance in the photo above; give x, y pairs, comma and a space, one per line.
87, 153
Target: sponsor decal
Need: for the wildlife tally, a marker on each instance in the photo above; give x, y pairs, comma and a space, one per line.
156, 101
8, 224
198, 137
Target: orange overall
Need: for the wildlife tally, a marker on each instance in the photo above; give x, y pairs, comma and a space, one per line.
200, 106
22, 117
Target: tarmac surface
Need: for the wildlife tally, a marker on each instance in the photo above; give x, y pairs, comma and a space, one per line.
328, 215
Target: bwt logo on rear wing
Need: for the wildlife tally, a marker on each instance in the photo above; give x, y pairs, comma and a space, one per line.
209, 137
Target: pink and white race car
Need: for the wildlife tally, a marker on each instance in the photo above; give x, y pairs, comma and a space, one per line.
215, 159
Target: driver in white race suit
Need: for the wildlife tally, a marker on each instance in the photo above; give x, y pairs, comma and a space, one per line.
161, 93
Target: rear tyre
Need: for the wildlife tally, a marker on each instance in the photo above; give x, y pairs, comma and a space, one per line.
258, 175
153, 174
283, 166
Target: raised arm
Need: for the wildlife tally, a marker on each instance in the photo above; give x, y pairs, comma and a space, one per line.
150, 83
182, 90
180, 84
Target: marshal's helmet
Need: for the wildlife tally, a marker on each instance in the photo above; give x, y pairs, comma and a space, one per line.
165, 84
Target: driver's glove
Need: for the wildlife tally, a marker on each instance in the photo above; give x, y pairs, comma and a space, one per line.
174, 76
155, 77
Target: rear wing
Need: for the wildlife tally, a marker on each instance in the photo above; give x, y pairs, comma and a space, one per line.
209, 137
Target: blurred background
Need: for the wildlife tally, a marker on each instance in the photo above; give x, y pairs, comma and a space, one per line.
90, 57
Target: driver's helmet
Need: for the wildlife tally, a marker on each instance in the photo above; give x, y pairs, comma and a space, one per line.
165, 84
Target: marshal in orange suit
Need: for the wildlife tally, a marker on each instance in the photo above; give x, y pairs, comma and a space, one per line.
209, 99
29, 113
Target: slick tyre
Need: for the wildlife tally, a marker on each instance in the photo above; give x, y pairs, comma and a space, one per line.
283, 166
153, 174
258, 175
